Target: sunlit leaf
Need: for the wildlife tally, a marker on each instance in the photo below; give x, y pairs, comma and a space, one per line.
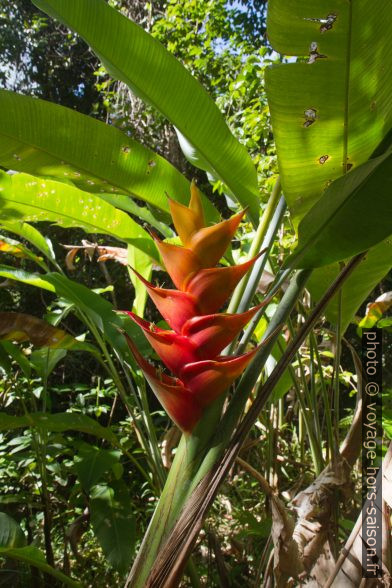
157, 77
18, 326
376, 309
49, 140
92, 462
59, 422
29, 198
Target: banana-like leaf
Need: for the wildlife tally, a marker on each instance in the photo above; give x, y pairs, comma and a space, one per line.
139, 60
11, 534
353, 214
113, 522
143, 265
18, 250
32, 279
45, 139
125, 203
92, 462
29, 198
101, 313
98, 310
331, 113
375, 310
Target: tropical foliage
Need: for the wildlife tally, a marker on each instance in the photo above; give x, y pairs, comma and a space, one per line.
105, 483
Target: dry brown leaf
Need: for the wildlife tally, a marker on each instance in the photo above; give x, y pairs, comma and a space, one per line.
103, 252
314, 507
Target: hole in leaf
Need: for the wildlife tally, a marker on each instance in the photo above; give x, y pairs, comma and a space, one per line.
349, 165
310, 117
314, 53
326, 24
323, 159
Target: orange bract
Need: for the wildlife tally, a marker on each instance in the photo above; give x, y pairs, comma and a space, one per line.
191, 349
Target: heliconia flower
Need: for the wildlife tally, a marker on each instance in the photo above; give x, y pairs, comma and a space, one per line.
182, 406
201, 337
191, 348
175, 306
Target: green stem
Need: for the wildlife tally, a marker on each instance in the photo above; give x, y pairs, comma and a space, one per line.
251, 286
305, 402
325, 399
190, 453
336, 382
112, 371
152, 438
313, 392
257, 243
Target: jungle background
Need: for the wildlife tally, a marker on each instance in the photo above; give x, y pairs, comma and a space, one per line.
43, 488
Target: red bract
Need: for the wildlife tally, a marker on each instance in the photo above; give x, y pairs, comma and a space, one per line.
191, 349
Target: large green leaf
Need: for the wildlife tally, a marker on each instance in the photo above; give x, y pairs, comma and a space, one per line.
30, 278
35, 557
143, 265
11, 535
353, 214
18, 326
139, 60
92, 462
19, 250
125, 203
32, 235
44, 360
369, 273
45, 139
329, 115
11, 350
114, 523
26, 197
58, 423
101, 314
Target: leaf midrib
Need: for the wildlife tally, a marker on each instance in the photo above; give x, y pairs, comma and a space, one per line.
347, 84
